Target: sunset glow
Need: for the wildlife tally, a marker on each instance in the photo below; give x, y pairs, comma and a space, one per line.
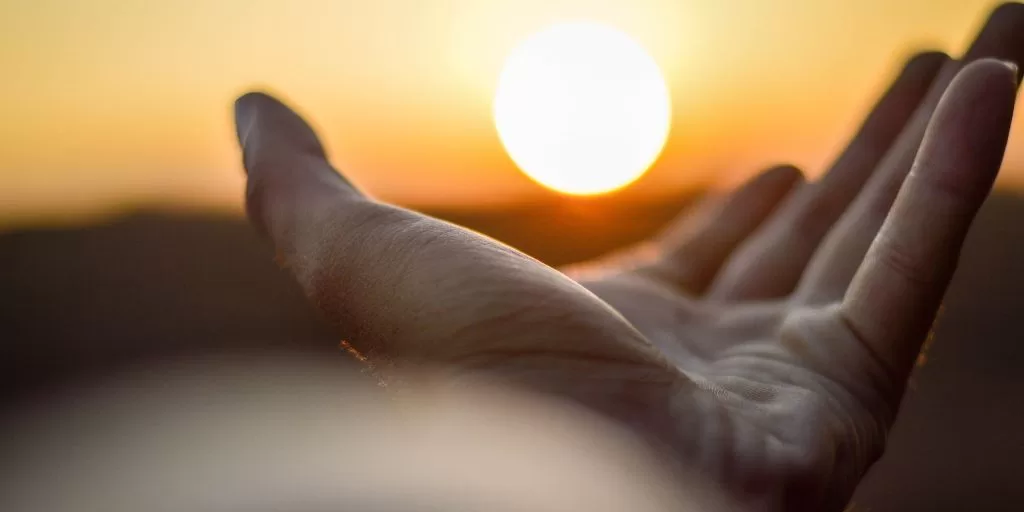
109, 105
582, 109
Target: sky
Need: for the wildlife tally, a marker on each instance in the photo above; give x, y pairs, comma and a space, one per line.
110, 104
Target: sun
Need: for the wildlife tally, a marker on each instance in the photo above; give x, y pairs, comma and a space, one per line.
581, 108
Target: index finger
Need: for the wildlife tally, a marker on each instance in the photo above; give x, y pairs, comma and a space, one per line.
836, 261
893, 299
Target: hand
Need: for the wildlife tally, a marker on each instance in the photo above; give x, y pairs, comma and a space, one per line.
772, 356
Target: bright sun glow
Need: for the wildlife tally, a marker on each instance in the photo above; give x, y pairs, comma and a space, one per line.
581, 108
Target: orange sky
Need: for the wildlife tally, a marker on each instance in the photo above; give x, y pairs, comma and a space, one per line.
107, 103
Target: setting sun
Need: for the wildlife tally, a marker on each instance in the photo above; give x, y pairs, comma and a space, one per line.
581, 108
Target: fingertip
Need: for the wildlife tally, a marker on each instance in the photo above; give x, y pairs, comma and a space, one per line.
784, 175
991, 86
926, 63
1002, 36
246, 110
253, 97
993, 75
265, 124
781, 177
786, 169
1014, 69
775, 182
285, 164
1007, 12
966, 138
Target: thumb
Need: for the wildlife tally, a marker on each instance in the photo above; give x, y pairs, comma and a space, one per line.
399, 284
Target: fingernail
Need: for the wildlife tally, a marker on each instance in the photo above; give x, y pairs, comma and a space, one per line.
245, 118
1014, 68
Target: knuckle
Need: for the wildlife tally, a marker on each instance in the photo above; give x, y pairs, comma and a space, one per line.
942, 182
901, 261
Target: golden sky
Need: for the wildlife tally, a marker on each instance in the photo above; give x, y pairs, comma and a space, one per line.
106, 103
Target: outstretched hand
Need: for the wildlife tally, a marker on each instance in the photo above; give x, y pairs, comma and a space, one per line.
765, 339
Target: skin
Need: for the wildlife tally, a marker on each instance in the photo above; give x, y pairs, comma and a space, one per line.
765, 339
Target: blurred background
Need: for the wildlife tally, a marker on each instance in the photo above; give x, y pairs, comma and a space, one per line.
122, 241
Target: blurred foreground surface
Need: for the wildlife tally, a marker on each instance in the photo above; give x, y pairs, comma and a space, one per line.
80, 304
300, 435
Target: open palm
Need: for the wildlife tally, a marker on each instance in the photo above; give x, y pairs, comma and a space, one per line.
765, 340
